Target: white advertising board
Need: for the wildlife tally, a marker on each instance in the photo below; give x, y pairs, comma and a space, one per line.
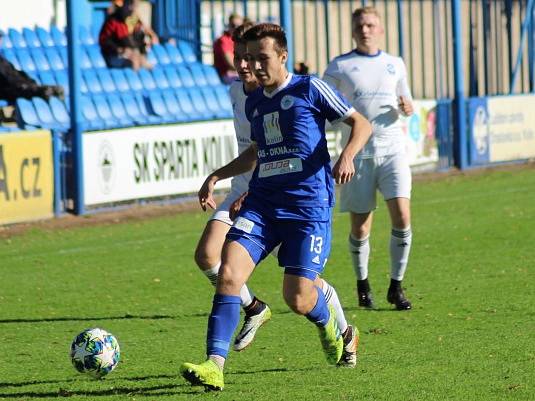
157, 161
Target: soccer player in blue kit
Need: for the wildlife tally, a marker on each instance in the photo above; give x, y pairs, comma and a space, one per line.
290, 200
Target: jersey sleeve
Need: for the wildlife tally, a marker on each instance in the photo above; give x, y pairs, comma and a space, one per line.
329, 101
402, 88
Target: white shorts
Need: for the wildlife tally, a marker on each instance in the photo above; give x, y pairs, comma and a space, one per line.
391, 175
222, 213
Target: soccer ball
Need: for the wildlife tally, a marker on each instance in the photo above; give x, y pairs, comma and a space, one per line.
95, 352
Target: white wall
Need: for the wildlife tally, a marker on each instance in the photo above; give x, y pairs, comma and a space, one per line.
28, 13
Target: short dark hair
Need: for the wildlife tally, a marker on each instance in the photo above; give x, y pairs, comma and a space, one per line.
267, 30
237, 35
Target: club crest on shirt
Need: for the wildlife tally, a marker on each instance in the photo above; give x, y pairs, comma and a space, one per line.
287, 101
391, 69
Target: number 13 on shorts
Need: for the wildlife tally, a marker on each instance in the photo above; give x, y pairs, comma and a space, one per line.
316, 244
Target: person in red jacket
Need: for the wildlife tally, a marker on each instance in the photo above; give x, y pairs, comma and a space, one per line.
123, 46
224, 51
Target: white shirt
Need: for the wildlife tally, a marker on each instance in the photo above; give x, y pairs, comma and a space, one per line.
243, 131
373, 84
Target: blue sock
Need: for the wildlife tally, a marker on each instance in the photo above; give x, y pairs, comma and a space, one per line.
222, 322
319, 315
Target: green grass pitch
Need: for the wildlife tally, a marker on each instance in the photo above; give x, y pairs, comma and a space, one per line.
470, 336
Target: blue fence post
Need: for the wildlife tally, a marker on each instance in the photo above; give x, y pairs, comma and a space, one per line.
286, 23
73, 47
460, 134
56, 154
401, 29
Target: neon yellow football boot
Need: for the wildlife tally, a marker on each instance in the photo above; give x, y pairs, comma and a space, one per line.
331, 339
207, 374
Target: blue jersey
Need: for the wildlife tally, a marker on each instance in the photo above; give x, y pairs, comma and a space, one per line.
293, 178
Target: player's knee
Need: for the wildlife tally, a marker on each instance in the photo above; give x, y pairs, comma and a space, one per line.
298, 303
204, 259
228, 281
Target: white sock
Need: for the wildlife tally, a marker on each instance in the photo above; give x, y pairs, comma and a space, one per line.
400, 247
360, 255
246, 295
332, 299
218, 359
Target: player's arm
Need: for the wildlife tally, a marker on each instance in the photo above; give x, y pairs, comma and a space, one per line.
405, 105
361, 130
246, 161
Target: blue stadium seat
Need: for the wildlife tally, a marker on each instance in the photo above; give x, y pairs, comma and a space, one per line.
58, 36
105, 113
159, 78
211, 75
119, 79
44, 113
133, 80
185, 76
151, 57
62, 80
174, 54
33, 75
85, 61
188, 54
10, 56
91, 118
136, 114
142, 104
200, 104
44, 37
186, 105
40, 60
172, 77
147, 79
25, 114
25, 60
17, 39
198, 74
173, 106
95, 56
31, 38
93, 83
59, 110
6, 42
47, 78
62, 50
54, 59
223, 97
85, 36
159, 108
106, 80
118, 110
161, 54
213, 104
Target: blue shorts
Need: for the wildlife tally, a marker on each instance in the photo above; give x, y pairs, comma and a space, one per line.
304, 245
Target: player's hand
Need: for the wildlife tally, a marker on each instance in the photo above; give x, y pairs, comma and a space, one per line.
206, 192
405, 106
343, 169
236, 206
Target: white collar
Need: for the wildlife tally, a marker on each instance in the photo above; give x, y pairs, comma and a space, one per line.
283, 85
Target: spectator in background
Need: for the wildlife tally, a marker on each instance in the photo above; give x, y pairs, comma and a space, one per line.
15, 83
134, 19
224, 51
123, 45
301, 68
